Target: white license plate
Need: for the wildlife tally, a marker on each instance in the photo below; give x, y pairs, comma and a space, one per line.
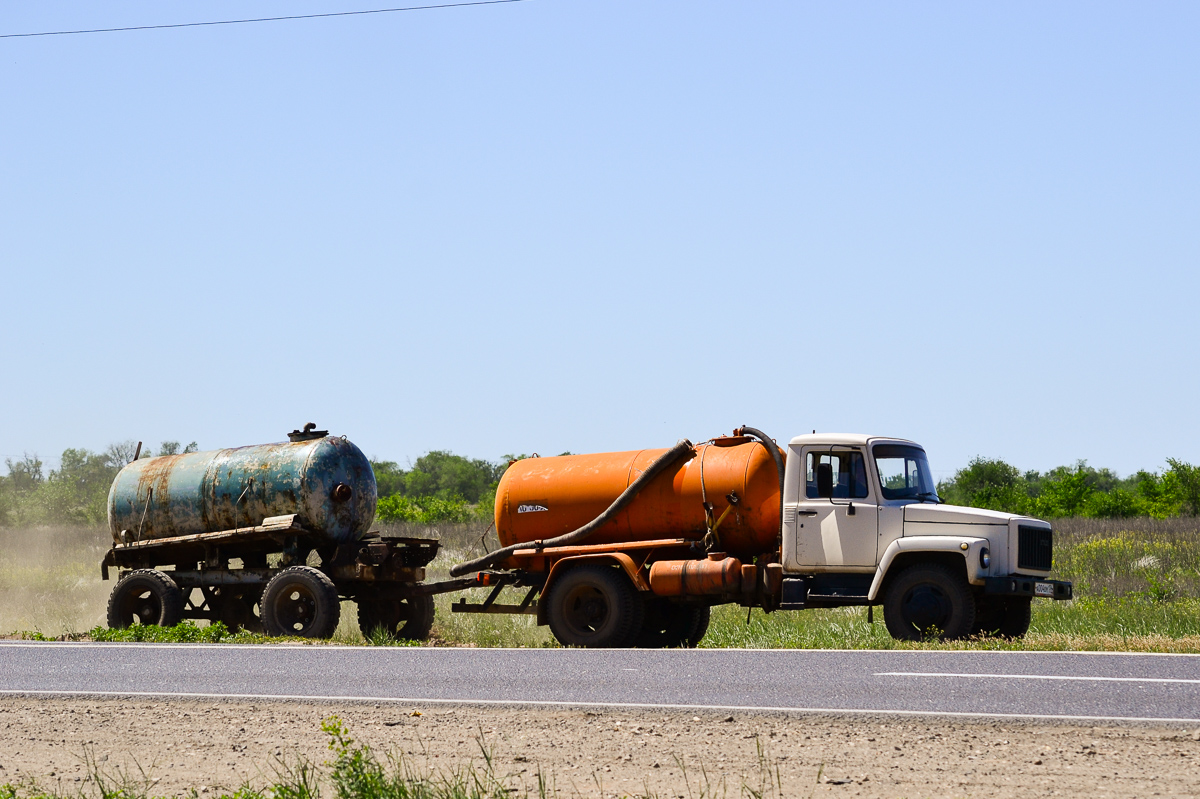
1044, 589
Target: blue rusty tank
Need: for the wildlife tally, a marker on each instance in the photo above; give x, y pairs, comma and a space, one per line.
325, 480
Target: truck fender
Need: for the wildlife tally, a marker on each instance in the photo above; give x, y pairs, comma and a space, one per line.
619, 558
966, 546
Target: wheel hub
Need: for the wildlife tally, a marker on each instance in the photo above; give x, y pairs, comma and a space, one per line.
926, 608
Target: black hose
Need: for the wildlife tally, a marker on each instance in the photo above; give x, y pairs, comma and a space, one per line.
667, 459
775, 456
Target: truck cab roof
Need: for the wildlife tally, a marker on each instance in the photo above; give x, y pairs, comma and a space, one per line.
845, 439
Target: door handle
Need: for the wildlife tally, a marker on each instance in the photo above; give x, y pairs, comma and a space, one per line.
806, 512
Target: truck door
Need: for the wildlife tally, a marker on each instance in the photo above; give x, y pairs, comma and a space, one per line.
842, 529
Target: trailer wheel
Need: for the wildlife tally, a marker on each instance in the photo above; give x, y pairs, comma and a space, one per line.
595, 606
1007, 617
409, 619
145, 596
929, 600
300, 601
670, 625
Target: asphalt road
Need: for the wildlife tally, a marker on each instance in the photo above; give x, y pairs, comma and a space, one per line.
1080, 686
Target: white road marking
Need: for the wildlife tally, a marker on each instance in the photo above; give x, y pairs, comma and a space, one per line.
1029, 677
323, 646
617, 705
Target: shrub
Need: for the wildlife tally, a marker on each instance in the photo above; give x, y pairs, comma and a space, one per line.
429, 510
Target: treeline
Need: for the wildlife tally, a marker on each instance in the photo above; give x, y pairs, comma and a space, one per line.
440, 487
443, 487
74, 493
1078, 490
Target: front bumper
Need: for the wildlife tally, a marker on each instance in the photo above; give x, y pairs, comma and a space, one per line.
1020, 585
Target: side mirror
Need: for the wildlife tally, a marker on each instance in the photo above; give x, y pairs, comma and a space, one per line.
825, 480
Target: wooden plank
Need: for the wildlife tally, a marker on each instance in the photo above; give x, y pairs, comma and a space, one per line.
271, 526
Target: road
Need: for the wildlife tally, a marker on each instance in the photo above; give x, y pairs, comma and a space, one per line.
1083, 686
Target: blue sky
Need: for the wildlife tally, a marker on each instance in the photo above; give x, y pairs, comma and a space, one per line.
563, 225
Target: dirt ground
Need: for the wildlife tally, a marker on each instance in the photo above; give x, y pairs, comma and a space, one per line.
179, 745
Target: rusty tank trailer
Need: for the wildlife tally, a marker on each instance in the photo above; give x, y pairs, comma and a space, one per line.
267, 538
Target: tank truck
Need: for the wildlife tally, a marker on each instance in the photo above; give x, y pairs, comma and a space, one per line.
635, 548
611, 549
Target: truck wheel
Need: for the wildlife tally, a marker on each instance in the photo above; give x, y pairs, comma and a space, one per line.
596, 607
670, 625
989, 614
929, 600
145, 596
300, 601
702, 617
1018, 613
1007, 617
409, 619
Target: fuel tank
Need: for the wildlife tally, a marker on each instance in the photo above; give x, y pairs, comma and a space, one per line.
325, 480
540, 498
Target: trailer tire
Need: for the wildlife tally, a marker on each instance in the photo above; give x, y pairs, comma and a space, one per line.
300, 601
145, 596
670, 625
408, 619
596, 607
929, 600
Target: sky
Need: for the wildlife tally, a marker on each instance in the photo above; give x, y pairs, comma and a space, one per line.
573, 225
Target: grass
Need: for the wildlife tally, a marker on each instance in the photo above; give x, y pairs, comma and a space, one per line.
355, 771
1137, 583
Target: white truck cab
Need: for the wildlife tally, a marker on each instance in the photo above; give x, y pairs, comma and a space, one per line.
863, 525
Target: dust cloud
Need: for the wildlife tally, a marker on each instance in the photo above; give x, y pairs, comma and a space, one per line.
50, 579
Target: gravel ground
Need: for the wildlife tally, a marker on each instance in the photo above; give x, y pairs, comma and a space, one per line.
181, 745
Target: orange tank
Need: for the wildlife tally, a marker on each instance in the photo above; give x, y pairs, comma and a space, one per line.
540, 498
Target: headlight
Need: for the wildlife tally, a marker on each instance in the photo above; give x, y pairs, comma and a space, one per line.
985, 558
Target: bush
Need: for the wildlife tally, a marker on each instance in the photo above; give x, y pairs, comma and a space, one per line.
439, 474
1075, 491
429, 510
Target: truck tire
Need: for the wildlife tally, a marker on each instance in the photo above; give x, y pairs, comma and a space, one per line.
929, 600
300, 601
702, 619
1007, 617
408, 619
145, 596
670, 625
596, 607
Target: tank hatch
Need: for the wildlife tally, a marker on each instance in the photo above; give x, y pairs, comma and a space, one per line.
309, 433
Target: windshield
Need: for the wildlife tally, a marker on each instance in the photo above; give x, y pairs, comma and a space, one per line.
904, 472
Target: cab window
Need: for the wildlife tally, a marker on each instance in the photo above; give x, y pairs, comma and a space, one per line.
849, 474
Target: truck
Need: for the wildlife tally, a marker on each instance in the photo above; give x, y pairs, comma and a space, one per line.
622, 549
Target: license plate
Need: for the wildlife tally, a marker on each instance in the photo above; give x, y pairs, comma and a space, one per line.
1044, 589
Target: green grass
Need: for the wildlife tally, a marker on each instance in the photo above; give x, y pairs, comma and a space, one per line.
1089, 623
1137, 583
1132, 623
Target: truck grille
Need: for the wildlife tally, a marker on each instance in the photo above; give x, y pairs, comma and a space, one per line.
1035, 548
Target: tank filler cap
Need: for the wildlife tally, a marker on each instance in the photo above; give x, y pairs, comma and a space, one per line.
309, 433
